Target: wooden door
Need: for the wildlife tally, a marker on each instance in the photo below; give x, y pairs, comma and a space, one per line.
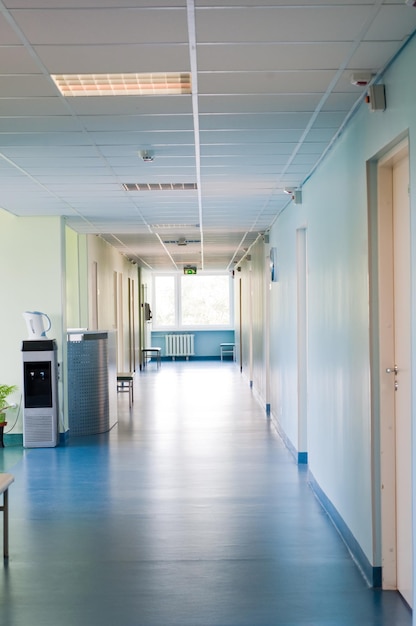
395, 370
401, 375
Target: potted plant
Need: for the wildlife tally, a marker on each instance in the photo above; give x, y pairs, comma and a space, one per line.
5, 391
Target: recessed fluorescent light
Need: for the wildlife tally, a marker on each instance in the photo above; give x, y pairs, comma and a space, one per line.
172, 83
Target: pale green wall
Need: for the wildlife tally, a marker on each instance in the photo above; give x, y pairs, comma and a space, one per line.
76, 296
113, 308
32, 278
44, 267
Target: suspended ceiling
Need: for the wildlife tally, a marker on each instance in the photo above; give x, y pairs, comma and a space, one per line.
271, 90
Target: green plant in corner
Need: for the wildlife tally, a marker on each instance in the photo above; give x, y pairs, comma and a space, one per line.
5, 391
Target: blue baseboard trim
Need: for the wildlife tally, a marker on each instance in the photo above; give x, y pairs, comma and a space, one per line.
301, 458
191, 358
372, 574
16, 440
64, 438
13, 440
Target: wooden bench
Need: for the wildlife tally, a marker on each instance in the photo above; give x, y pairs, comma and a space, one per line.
125, 383
156, 352
5, 481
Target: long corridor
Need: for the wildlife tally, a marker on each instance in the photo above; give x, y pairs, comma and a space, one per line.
190, 512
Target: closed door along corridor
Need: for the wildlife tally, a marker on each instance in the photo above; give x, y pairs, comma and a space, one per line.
190, 512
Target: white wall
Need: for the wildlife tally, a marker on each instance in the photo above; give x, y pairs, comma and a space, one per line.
283, 330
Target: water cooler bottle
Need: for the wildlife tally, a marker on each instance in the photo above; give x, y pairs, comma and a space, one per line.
40, 415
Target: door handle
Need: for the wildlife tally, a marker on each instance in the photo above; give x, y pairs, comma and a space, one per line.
392, 370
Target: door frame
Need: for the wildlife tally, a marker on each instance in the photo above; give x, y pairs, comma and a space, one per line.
380, 218
302, 341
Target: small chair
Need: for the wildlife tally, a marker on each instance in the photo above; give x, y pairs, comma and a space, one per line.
227, 349
125, 383
153, 351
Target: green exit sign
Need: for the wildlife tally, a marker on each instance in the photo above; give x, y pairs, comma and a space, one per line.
189, 269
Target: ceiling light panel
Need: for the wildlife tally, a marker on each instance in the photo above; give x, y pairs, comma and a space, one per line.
161, 83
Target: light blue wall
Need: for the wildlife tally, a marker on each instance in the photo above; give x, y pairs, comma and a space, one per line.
283, 334
206, 342
334, 213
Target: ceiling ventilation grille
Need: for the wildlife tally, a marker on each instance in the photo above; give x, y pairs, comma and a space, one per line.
179, 227
181, 241
159, 186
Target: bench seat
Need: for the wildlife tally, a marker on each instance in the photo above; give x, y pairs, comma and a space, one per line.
5, 481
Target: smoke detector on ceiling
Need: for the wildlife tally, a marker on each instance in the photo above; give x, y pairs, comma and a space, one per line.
295, 193
361, 79
146, 156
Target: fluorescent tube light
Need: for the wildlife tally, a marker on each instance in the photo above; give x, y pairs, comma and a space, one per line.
172, 83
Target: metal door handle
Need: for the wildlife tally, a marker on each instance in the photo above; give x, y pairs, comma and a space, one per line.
392, 370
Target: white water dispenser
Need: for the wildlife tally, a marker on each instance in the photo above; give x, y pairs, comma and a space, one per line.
40, 377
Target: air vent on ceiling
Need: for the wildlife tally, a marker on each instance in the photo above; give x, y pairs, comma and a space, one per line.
176, 227
159, 186
181, 241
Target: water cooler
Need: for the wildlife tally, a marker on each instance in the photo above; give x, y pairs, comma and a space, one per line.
40, 379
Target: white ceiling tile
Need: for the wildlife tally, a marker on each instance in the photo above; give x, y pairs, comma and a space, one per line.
8, 37
98, 4
104, 26
136, 123
257, 103
272, 3
38, 124
281, 23
392, 22
371, 55
122, 57
263, 121
141, 139
29, 107
265, 83
16, 60
39, 139
147, 105
250, 136
27, 86
275, 56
